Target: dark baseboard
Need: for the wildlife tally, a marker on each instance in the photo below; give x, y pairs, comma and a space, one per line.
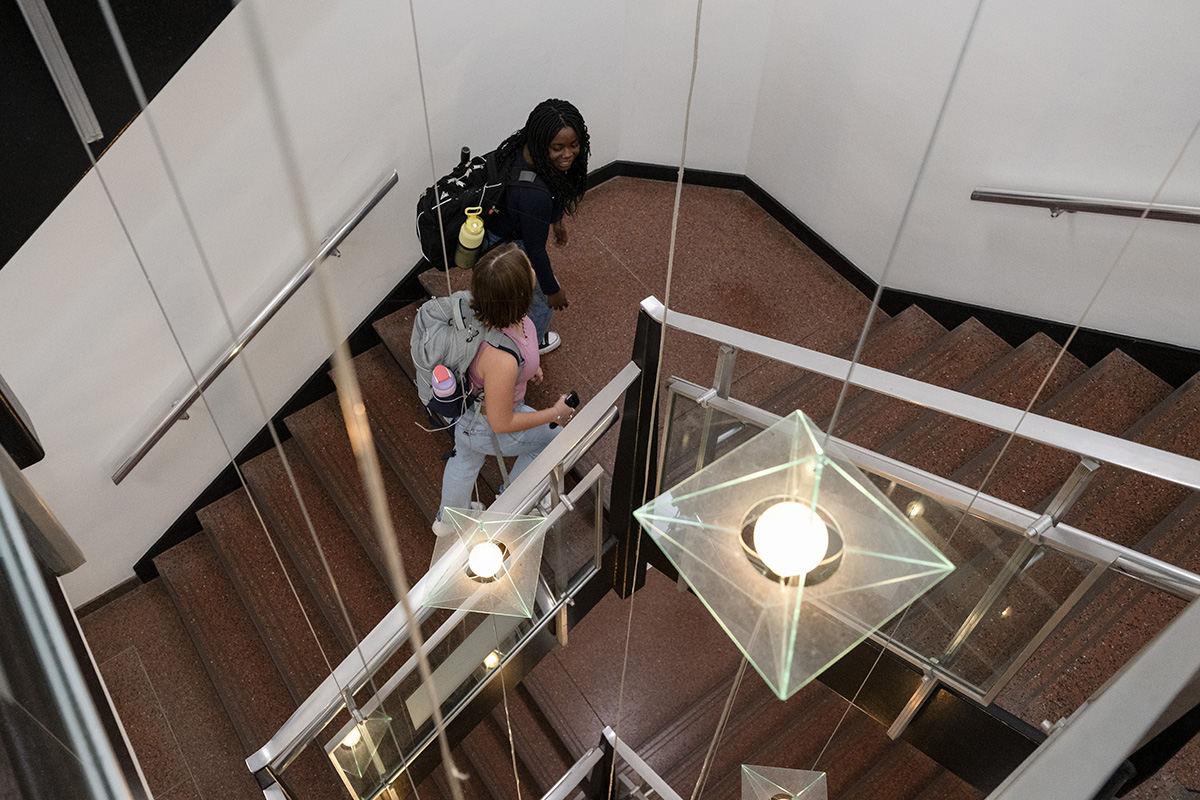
1172, 363
99, 601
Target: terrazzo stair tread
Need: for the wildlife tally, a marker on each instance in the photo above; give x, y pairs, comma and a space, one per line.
1122, 505
237, 661
1116, 619
321, 433
395, 331
247, 682
948, 786
1110, 397
951, 362
434, 280
889, 345
1175, 780
940, 443
437, 785
757, 382
538, 747
366, 596
563, 705
902, 774
979, 557
677, 750
672, 624
179, 696
491, 764
281, 607
414, 455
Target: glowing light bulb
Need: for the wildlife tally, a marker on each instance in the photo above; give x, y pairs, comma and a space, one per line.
486, 559
915, 509
790, 539
492, 660
353, 737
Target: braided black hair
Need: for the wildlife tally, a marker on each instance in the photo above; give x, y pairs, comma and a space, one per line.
545, 121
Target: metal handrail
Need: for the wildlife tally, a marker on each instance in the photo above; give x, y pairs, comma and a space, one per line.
1044, 430
639, 766
595, 417
180, 407
1058, 203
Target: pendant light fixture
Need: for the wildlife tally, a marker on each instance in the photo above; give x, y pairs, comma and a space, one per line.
493, 563
777, 783
795, 553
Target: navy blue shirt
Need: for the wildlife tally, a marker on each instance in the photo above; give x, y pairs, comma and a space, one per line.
526, 214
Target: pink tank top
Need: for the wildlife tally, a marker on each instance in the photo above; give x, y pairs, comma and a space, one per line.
525, 337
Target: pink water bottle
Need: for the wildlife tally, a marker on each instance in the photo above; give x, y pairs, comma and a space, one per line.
444, 384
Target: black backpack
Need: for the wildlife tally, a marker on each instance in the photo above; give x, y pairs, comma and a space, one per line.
474, 182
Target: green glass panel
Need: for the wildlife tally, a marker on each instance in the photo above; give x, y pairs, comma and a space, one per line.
779, 783
1019, 612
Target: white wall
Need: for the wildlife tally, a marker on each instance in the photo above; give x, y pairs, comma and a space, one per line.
656, 68
95, 372
1072, 98
828, 104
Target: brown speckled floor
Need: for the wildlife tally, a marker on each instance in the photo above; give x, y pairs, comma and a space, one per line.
735, 265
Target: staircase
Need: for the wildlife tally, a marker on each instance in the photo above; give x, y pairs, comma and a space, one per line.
206, 661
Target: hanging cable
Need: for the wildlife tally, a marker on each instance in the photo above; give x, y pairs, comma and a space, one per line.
512, 743
341, 355
354, 410
687, 113
429, 140
887, 265
143, 102
862, 339
1062, 351
702, 778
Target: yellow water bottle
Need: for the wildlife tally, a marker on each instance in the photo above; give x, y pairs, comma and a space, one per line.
470, 238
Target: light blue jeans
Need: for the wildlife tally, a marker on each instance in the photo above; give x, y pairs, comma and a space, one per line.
540, 311
473, 444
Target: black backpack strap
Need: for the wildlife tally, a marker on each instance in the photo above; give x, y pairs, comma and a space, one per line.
517, 174
502, 341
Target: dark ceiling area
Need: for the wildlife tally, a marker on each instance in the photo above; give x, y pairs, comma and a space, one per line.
42, 157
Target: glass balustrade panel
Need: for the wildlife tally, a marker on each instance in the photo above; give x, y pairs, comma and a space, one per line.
394, 723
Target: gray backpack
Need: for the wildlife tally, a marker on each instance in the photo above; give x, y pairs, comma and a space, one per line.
446, 332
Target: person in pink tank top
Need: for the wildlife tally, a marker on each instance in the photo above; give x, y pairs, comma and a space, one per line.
502, 290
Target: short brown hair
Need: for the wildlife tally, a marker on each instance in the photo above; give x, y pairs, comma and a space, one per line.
502, 286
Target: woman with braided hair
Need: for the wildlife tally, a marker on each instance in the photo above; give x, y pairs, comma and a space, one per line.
545, 168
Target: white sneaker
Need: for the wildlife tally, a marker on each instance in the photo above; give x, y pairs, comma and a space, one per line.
553, 340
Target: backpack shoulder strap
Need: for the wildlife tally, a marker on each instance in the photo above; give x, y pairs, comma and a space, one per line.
516, 174
502, 341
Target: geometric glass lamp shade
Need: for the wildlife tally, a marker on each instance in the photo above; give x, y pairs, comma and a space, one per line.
794, 552
493, 565
776, 783
355, 755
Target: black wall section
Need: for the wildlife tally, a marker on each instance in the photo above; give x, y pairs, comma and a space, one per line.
1173, 364
42, 157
